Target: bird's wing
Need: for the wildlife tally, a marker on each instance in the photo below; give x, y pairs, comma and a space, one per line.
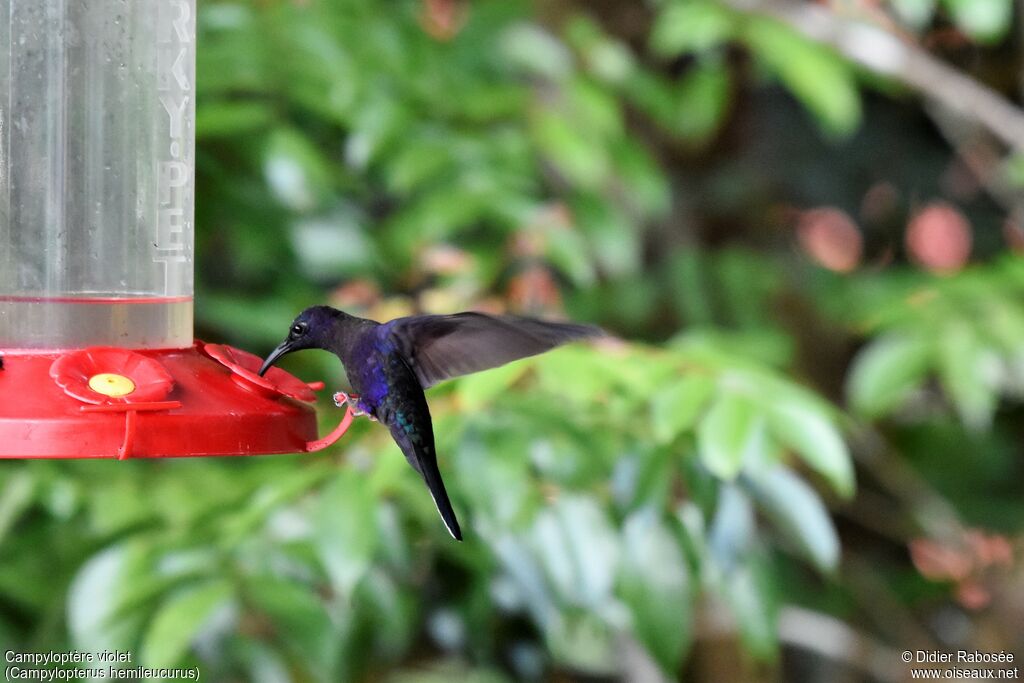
439, 347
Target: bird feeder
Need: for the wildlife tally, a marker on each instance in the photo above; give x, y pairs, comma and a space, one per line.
97, 140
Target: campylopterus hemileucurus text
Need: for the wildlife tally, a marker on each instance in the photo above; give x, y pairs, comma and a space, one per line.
389, 365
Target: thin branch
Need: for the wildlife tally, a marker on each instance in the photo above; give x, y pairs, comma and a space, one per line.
836, 640
822, 634
935, 516
979, 154
880, 51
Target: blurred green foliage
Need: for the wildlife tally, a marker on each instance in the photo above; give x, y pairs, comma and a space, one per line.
407, 156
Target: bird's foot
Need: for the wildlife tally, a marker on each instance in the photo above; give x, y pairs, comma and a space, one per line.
341, 399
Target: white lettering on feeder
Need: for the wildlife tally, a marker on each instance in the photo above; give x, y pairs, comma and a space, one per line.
176, 113
171, 64
179, 22
175, 170
172, 174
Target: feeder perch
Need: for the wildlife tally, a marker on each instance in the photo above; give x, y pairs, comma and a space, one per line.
97, 140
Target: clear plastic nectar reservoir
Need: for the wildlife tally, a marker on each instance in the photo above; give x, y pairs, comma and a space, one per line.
97, 102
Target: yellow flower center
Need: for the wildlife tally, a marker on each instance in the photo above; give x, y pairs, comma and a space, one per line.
109, 384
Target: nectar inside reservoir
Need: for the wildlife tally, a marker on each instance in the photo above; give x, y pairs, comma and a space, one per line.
72, 322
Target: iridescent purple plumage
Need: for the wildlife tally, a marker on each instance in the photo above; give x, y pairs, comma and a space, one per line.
389, 365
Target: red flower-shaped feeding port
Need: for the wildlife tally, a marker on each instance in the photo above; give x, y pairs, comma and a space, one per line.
244, 367
101, 375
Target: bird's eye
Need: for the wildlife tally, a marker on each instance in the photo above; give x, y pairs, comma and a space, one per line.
298, 329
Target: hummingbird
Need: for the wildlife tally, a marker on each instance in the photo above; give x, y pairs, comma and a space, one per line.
390, 365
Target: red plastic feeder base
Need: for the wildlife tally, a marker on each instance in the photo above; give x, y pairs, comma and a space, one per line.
120, 403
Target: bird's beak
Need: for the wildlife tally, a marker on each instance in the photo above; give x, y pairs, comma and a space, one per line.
283, 348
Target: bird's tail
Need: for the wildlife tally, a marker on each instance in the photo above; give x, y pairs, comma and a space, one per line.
432, 476
423, 458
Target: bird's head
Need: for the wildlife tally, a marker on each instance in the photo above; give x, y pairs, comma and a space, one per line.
312, 329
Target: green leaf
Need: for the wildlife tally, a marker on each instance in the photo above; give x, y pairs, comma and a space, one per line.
570, 150
732, 531
418, 161
446, 671
984, 20
613, 236
645, 185
273, 494
807, 429
594, 110
729, 433
798, 513
178, 621
494, 475
702, 101
887, 371
96, 618
394, 612
296, 171
567, 250
610, 60
377, 123
15, 498
536, 52
693, 26
573, 372
969, 373
583, 641
6, 631
1013, 170
916, 13
263, 663
522, 568
332, 245
655, 584
675, 408
655, 96
301, 623
231, 119
579, 549
345, 530
748, 593
1002, 324
645, 479
479, 389
814, 74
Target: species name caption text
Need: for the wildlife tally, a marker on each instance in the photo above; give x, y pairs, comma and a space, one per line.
962, 664
118, 665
